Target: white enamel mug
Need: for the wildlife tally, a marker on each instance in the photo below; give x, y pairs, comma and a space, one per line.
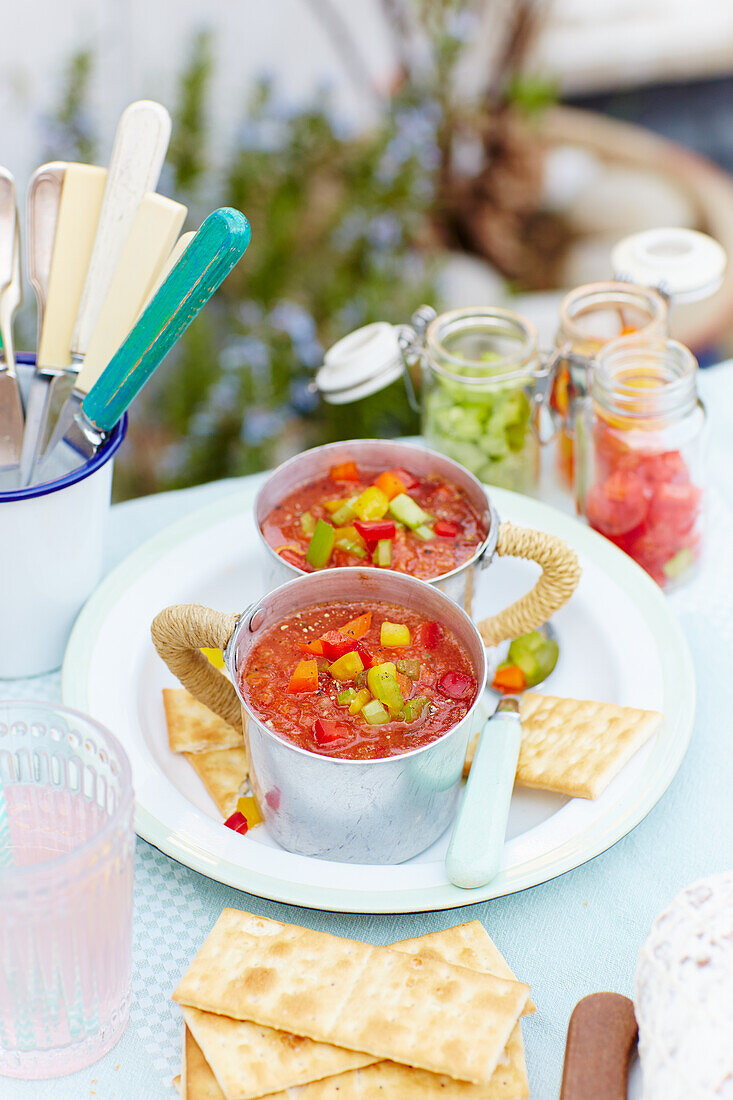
51, 547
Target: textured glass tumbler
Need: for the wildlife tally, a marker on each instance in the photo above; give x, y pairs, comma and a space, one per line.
66, 867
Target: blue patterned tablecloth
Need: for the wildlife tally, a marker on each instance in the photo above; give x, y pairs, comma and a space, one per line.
569, 937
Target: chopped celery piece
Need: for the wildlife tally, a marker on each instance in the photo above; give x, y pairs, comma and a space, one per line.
343, 515
535, 654
382, 681
424, 533
374, 713
360, 700
485, 426
334, 505
351, 547
409, 668
415, 707
344, 698
371, 504
383, 553
677, 564
407, 511
321, 545
308, 523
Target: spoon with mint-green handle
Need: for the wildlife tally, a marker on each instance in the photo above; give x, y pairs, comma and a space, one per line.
477, 842
86, 419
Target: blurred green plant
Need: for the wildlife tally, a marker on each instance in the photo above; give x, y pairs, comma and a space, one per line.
344, 231
70, 133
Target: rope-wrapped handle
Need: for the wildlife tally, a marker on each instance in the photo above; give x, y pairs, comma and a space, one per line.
560, 576
178, 635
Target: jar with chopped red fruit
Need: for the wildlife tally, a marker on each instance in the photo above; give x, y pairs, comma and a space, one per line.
590, 317
639, 478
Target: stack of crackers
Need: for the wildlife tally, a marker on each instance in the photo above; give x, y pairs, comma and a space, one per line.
279, 1011
213, 748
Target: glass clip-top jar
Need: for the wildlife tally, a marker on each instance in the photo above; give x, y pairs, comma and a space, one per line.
482, 385
640, 476
652, 270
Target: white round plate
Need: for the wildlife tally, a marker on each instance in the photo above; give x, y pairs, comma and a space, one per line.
619, 642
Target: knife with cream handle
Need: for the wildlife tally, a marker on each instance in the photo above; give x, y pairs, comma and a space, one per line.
154, 231
180, 247
76, 226
138, 152
11, 405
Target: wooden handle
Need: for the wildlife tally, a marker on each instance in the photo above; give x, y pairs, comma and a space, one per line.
178, 634
602, 1034
560, 576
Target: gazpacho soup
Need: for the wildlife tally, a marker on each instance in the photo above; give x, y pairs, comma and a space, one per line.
421, 525
359, 680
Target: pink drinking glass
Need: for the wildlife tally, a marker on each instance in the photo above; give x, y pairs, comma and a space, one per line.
66, 868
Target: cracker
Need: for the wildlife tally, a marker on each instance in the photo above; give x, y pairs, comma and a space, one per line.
197, 1080
422, 1012
249, 1060
223, 773
576, 747
192, 727
509, 1082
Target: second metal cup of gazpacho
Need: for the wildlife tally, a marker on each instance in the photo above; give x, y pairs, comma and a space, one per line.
560, 570
380, 810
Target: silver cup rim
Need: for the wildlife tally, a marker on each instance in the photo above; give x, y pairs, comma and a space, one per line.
461, 474
351, 576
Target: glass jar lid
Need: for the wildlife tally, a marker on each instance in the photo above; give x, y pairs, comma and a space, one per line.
681, 263
361, 363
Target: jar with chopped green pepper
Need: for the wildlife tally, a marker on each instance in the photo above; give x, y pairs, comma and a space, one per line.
471, 373
480, 369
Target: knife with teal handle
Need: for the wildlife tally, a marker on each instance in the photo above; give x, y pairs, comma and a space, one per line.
215, 249
476, 845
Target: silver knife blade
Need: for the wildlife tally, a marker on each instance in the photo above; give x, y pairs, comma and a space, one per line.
12, 416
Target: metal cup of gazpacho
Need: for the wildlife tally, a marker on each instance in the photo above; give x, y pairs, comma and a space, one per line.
403, 508
356, 691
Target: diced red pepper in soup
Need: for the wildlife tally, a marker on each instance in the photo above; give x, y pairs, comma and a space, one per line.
456, 685
429, 635
363, 699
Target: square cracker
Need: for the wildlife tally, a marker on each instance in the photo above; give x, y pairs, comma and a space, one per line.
223, 773
192, 727
197, 1082
249, 1060
575, 746
405, 1008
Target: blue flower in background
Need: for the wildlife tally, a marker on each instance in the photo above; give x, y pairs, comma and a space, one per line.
259, 424
384, 231
303, 398
293, 319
